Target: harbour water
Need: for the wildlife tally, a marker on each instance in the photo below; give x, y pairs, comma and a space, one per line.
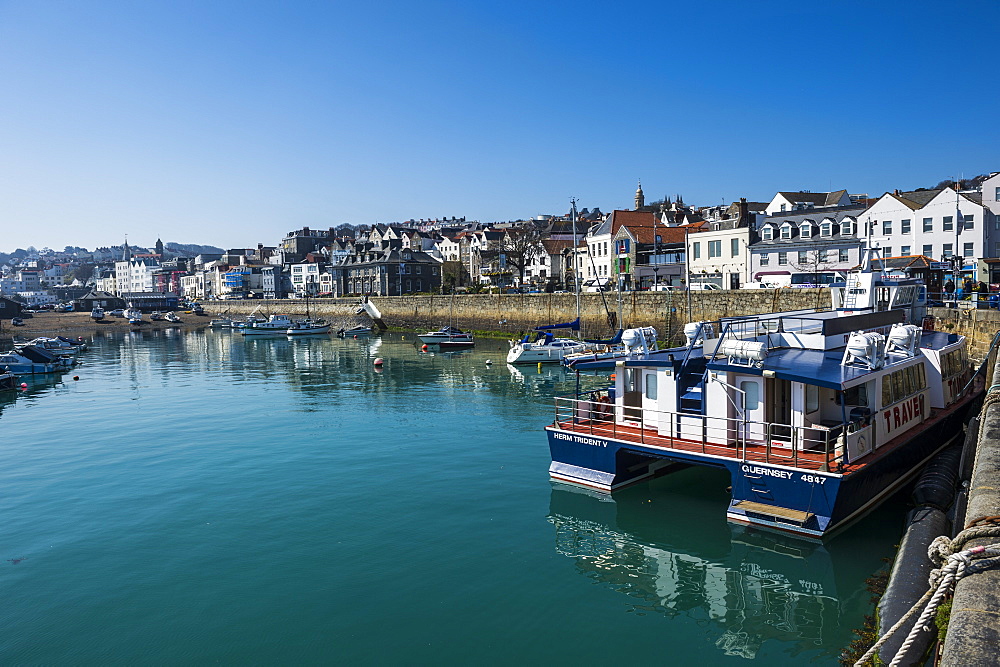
200, 498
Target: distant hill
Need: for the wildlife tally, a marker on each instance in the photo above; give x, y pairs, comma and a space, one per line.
192, 249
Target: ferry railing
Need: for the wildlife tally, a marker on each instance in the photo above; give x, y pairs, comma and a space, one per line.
811, 446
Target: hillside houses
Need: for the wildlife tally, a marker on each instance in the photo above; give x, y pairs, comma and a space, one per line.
794, 238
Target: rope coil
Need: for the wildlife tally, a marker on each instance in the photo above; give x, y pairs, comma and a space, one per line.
953, 562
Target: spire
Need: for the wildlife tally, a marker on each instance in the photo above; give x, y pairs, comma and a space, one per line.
126, 254
640, 199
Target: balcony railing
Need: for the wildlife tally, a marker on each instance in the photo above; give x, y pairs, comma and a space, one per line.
813, 447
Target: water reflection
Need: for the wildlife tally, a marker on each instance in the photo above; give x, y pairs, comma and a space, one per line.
674, 554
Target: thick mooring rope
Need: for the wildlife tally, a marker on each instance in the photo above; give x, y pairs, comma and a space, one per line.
953, 564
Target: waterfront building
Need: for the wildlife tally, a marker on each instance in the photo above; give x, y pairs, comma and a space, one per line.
941, 223
648, 254
390, 272
806, 241
298, 243
305, 279
719, 254
135, 274
786, 202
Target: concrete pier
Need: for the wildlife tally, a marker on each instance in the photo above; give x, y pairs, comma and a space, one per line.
974, 630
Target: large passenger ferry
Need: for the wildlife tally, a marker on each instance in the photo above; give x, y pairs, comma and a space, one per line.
817, 415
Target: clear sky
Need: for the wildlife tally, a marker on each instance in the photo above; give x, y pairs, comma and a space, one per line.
233, 122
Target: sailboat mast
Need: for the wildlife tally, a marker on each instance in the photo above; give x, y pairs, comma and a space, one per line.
576, 264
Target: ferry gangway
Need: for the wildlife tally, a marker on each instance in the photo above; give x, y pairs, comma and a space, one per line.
812, 447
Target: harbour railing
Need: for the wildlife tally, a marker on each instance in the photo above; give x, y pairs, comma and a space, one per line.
814, 447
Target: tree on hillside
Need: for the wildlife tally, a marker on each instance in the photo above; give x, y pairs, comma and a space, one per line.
83, 272
453, 274
964, 183
521, 247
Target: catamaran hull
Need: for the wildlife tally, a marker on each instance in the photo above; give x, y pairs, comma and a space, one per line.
805, 502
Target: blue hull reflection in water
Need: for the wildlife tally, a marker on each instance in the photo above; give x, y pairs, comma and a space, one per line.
753, 594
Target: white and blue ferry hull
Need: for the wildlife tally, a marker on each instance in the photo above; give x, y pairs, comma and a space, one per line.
805, 502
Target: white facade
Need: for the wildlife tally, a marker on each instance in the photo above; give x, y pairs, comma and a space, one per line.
134, 275
599, 258
449, 250
899, 226
991, 193
720, 256
787, 202
305, 278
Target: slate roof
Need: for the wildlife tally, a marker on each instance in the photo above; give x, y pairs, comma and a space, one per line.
556, 246
919, 198
814, 198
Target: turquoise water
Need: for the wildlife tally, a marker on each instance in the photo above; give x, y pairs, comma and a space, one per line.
201, 498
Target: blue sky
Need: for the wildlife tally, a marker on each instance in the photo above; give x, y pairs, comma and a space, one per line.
231, 123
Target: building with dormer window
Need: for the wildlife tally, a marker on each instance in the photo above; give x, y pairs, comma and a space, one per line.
806, 241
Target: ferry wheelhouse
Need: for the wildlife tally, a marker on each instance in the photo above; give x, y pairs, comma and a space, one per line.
817, 415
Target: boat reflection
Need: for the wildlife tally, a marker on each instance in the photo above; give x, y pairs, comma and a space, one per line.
753, 586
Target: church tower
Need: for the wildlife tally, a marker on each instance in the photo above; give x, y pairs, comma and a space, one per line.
640, 199
126, 253
159, 247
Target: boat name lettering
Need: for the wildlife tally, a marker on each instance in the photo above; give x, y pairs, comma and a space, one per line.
898, 415
755, 470
579, 438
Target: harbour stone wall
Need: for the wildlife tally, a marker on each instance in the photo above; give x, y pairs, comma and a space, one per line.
668, 312
978, 325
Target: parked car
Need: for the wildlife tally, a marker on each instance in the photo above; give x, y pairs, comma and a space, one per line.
703, 286
118, 312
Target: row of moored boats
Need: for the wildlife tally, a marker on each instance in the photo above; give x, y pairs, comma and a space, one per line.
40, 356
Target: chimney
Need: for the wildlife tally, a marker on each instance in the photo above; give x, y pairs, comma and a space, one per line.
744, 212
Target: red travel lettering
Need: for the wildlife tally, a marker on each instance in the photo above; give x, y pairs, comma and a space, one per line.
895, 416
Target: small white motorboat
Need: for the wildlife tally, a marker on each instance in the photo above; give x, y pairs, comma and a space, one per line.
447, 337
355, 331
308, 328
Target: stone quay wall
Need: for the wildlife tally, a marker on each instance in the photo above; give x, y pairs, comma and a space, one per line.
515, 313
978, 325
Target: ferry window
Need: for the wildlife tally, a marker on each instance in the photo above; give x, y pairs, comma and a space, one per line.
751, 394
651, 386
906, 376
812, 398
897, 385
921, 378
855, 395
912, 381
886, 391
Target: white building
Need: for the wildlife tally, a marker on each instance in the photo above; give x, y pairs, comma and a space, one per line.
991, 195
135, 275
806, 242
786, 202
720, 252
939, 224
306, 278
